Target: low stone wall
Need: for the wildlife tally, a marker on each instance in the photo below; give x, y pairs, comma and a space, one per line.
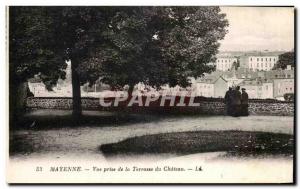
209, 106
263, 108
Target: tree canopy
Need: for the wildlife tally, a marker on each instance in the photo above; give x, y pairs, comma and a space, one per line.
33, 46
156, 46
285, 59
120, 45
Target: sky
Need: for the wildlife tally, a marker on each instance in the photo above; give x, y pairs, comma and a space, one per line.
259, 28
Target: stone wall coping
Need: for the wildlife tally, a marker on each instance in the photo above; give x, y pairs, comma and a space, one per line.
199, 98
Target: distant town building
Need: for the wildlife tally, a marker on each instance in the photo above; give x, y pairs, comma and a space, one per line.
283, 86
259, 61
255, 61
225, 63
262, 63
255, 73
257, 88
210, 86
275, 74
267, 89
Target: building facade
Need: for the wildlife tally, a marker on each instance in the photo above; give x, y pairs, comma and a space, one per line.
283, 86
261, 63
267, 90
210, 86
253, 88
224, 63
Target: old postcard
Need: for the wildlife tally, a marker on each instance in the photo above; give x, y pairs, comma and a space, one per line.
151, 94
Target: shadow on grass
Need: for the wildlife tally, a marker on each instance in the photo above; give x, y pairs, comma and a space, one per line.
236, 143
50, 118
48, 121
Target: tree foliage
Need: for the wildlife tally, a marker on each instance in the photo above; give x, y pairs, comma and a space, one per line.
289, 96
33, 46
120, 45
156, 46
285, 59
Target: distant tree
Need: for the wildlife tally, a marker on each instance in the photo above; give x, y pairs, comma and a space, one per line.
235, 65
285, 59
288, 96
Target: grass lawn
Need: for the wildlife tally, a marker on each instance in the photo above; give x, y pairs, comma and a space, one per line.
241, 143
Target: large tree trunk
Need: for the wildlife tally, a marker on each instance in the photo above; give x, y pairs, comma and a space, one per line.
17, 102
130, 90
77, 111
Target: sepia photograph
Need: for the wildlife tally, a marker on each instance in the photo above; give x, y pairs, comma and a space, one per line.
151, 94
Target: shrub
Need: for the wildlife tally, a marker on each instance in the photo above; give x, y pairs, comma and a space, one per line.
288, 96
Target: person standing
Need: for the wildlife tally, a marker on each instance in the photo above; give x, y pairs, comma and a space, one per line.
244, 103
236, 102
228, 102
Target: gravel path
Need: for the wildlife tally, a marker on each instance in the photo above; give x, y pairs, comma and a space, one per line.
85, 140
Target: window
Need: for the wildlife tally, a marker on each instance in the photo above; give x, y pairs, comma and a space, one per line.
276, 77
266, 59
270, 59
257, 59
266, 65
261, 65
222, 60
251, 59
289, 76
262, 59
225, 60
257, 65
274, 59
267, 87
291, 89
